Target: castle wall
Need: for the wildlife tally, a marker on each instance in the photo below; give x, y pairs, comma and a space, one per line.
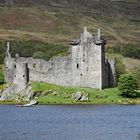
85, 66
56, 71
8, 70
20, 77
111, 73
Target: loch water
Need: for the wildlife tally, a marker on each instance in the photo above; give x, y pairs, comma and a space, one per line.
70, 122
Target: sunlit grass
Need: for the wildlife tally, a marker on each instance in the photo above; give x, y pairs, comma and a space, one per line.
63, 95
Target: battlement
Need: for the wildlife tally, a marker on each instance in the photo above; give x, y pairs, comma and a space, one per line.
87, 37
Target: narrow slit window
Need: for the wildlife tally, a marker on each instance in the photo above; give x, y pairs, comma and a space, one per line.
77, 66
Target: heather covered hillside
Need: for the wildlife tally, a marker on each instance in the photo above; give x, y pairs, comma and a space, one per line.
60, 21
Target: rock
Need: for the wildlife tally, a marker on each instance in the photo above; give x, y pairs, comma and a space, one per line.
11, 94
84, 98
47, 92
55, 93
80, 97
77, 96
37, 93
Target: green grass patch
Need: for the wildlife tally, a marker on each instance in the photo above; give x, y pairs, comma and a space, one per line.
63, 95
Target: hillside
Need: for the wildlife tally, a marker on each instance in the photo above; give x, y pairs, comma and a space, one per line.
61, 21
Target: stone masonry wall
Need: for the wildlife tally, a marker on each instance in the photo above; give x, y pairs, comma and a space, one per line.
85, 66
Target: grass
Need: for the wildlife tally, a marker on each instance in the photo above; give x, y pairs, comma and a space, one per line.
53, 94
63, 95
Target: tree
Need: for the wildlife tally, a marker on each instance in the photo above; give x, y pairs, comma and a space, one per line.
127, 85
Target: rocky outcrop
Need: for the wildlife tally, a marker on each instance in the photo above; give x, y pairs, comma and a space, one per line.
11, 93
80, 96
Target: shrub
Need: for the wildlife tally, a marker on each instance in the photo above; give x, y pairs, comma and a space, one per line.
127, 85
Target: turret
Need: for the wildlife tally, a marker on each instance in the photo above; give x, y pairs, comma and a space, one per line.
8, 52
20, 75
98, 34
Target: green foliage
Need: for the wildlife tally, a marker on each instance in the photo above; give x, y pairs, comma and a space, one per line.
127, 85
127, 50
39, 55
131, 51
120, 67
33, 49
1, 77
136, 72
2, 51
38, 49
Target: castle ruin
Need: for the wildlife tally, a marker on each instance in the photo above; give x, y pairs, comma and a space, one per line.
85, 66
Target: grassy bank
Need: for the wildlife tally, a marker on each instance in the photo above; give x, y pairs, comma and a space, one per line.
53, 94
63, 95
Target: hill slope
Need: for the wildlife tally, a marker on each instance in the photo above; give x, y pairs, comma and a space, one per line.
60, 21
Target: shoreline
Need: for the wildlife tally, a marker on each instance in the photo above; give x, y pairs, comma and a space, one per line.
130, 102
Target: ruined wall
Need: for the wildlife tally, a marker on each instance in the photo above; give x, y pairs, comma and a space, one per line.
111, 72
85, 66
9, 70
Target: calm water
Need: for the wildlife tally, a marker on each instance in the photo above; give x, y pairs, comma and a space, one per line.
70, 122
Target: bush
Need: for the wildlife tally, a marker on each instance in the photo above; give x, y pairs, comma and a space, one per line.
1, 77
127, 85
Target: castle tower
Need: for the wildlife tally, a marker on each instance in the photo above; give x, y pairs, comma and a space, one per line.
88, 61
100, 44
20, 75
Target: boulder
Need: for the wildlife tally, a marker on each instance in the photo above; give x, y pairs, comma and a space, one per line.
80, 96
84, 97
77, 96
11, 93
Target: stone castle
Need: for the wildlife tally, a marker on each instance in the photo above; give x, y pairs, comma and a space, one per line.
85, 66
